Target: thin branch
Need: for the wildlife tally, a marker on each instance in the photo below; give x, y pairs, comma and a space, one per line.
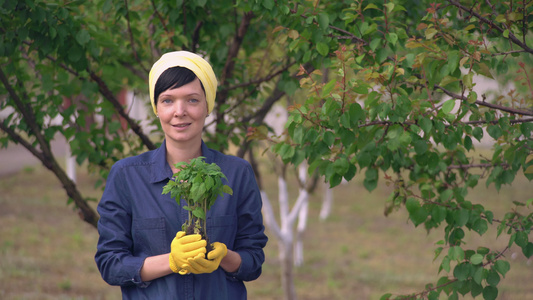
46, 156
470, 166
509, 52
512, 37
235, 46
196, 35
141, 74
28, 115
106, 92
156, 12
483, 103
260, 80
132, 41
349, 34
20, 140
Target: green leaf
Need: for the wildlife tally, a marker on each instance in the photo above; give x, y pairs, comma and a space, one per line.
438, 213
476, 259
390, 6
374, 44
452, 63
490, 293
480, 226
371, 6
502, 266
83, 37
467, 80
521, 239
322, 48
268, 4
494, 131
472, 97
528, 250
430, 33
478, 133
478, 275
476, 289
371, 179
426, 124
448, 106
467, 142
328, 87
447, 80
461, 217
417, 213
456, 253
462, 271
323, 20
421, 147
391, 38
493, 278
356, 113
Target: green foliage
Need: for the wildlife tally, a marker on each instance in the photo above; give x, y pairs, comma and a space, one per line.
199, 184
387, 92
398, 103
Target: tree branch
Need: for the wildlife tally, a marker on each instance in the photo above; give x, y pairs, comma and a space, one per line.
132, 41
483, 103
156, 12
260, 80
20, 140
470, 166
235, 46
196, 35
106, 92
46, 156
349, 34
512, 37
29, 117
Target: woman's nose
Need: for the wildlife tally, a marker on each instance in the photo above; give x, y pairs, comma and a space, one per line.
180, 108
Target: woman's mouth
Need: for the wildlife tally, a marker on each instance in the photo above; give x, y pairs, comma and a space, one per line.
181, 125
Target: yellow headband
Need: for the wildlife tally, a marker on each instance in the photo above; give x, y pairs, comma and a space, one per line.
191, 61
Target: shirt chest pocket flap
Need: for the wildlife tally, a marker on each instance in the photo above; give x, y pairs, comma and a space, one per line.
149, 236
222, 228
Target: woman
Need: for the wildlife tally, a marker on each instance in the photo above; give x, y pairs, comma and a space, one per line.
140, 247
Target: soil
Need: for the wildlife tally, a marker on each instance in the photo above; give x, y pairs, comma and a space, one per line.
208, 247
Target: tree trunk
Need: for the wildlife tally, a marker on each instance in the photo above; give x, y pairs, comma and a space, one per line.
327, 202
287, 276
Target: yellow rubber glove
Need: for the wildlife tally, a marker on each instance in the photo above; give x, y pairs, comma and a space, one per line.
200, 265
184, 247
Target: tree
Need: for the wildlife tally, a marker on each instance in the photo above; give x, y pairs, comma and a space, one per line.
401, 105
91, 50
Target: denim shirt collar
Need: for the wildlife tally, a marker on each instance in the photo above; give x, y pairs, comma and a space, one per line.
160, 169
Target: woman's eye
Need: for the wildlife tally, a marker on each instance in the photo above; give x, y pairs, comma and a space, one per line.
166, 101
194, 100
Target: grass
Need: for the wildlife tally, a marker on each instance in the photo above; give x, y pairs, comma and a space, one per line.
46, 251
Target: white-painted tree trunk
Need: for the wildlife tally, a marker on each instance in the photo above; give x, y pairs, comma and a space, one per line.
284, 231
302, 217
70, 163
327, 202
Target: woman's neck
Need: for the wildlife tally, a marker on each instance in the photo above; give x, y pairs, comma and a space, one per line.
178, 152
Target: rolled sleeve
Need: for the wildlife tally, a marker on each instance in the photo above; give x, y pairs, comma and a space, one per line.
114, 256
251, 238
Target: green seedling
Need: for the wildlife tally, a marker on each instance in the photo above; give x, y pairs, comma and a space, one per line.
198, 184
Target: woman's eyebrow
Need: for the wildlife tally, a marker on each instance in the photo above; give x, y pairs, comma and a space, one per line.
186, 95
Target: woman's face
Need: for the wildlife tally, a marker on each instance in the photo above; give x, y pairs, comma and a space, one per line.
182, 112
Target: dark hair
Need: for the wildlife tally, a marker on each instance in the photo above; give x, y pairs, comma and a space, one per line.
173, 78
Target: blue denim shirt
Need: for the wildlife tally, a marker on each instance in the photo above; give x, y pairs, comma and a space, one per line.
137, 221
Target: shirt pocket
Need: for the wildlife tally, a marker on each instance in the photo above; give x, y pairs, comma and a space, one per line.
149, 236
222, 229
